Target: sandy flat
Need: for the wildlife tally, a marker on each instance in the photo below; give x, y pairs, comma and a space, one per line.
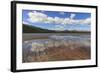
71, 52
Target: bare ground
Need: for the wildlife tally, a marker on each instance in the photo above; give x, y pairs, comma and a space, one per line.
73, 51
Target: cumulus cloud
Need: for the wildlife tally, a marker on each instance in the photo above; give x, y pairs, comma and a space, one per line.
41, 17
72, 16
62, 13
37, 17
87, 21
58, 28
24, 22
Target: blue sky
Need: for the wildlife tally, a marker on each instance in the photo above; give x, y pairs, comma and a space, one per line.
57, 20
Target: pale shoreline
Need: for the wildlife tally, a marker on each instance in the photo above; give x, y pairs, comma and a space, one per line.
30, 36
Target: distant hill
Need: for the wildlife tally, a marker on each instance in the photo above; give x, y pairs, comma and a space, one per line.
33, 29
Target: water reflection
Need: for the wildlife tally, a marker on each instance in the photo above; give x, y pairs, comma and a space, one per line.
57, 39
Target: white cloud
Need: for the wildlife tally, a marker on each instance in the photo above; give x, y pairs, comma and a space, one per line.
59, 28
41, 17
50, 20
72, 16
24, 22
58, 20
62, 13
37, 17
87, 21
